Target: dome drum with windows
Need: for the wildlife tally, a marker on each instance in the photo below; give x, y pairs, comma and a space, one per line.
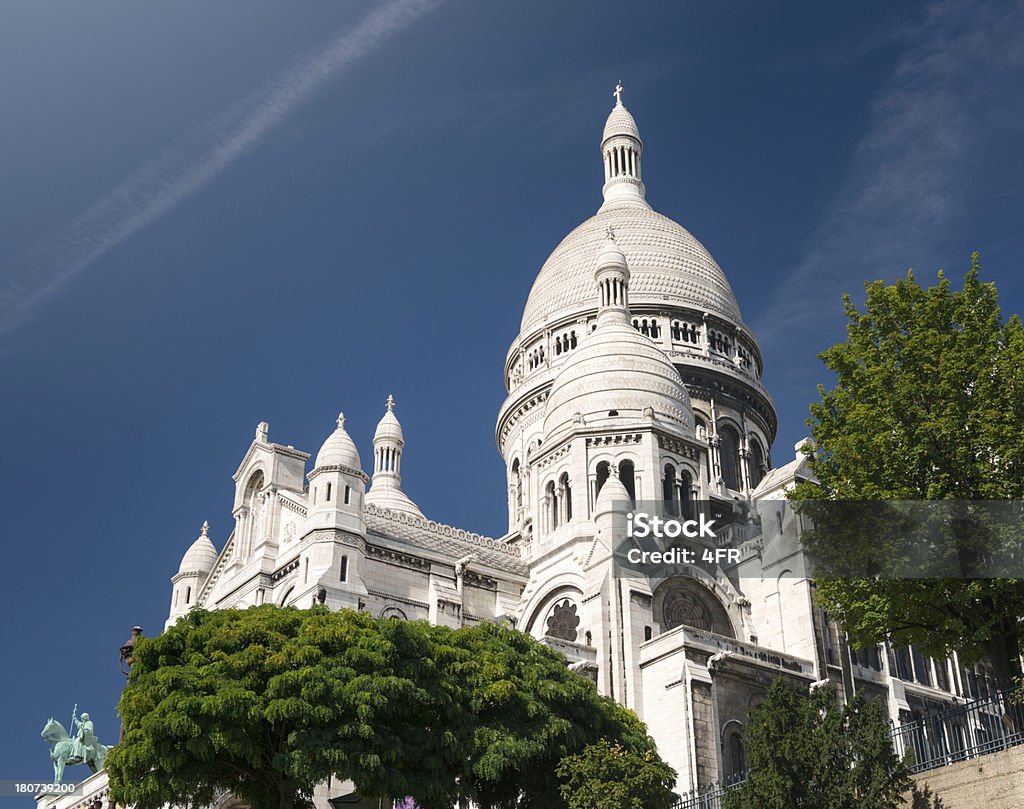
696, 363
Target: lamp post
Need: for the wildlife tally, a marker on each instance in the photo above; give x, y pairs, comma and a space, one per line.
125, 663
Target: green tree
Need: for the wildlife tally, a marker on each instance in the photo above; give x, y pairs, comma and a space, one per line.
530, 712
606, 775
267, 702
807, 752
928, 405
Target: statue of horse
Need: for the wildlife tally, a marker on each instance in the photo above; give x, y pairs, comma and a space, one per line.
66, 750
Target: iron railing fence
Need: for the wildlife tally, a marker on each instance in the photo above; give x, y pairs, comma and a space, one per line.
955, 732
950, 733
709, 797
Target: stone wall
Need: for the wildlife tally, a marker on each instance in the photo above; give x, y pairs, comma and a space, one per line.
994, 781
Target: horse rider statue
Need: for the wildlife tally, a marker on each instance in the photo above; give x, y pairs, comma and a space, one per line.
82, 748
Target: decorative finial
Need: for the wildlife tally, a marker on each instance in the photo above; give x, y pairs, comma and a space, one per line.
391, 402
341, 420
205, 530
610, 232
618, 94
262, 431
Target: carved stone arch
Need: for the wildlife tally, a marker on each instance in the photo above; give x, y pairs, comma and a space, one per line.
287, 594
560, 599
392, 611
684, 601
229, 801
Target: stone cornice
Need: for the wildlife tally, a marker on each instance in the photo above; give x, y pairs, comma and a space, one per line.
440, 530
345, 470
389, 556
291, 505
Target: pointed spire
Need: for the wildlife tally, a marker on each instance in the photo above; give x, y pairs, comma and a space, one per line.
205, 530
341, 421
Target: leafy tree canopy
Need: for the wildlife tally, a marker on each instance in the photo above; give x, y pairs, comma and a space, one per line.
265, 703
606, 775
807, 752
927, 405
530, 712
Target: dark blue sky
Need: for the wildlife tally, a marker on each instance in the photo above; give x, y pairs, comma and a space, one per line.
213, 214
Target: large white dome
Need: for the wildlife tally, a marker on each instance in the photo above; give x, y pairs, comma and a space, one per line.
667, 265
612, 378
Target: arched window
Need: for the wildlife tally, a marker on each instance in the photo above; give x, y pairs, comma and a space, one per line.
552, 506
565, 495
668, 490
757, 463
729, 456
516, 484
328, 492
255, 520
188, 595
603, 470
686, 490
737, 755
628, 478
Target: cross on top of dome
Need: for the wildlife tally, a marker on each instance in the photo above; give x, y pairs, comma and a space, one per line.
391, 402
618, 94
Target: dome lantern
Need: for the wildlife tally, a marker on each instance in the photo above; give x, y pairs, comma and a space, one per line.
621, 149
612, 277
388, 445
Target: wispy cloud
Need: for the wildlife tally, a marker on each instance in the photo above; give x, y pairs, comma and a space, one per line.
953, 94
164, 182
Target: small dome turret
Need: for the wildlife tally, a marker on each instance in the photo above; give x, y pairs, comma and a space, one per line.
613, 497
201, 555
617, 373
339, 449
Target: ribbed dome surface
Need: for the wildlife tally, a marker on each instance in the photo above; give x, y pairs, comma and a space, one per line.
666, 263
616, 369
200, 557
388, 429
338, 450
620, 122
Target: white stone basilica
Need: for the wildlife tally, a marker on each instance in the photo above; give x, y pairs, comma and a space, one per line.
633, 378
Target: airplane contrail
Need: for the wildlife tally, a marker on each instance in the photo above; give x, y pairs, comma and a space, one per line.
160, 184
